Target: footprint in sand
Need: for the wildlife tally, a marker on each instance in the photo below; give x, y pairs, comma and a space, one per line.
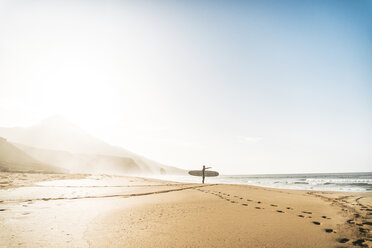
316, 223
343, 240
279, 211
289, 208
245, 204
257, 208
324, 217
2, 209
273, 205
359, 242
328, 230
350, 221
306, 212
259, 202
300, 215
363, 230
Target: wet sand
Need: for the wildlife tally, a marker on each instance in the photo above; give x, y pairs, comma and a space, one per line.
105, 211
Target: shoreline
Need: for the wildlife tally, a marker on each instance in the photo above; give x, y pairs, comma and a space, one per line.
333, 182
141, 212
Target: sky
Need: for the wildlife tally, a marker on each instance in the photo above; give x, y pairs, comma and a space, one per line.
243, 86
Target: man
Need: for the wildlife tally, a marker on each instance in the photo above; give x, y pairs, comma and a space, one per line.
203, 173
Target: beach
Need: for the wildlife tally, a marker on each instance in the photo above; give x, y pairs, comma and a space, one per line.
61, 210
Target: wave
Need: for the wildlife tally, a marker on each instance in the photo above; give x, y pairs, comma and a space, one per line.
318, 181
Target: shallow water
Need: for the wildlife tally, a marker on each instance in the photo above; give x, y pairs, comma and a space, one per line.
90, 187
347, 182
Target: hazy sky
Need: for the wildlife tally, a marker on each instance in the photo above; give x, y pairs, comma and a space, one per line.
245, 87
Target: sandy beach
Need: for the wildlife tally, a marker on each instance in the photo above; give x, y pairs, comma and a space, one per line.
186, 124
59, 210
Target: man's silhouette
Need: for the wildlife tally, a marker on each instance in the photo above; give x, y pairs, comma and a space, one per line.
203, 173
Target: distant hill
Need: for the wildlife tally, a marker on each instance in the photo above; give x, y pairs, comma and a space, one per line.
13, 159
84, 163
57, 135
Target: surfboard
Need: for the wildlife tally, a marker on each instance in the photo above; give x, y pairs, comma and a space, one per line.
199, 173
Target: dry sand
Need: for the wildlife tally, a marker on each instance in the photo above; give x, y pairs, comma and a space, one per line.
105, 211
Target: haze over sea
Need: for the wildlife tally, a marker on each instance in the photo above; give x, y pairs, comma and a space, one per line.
349, 182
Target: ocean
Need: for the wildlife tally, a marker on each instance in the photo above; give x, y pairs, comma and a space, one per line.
348, 182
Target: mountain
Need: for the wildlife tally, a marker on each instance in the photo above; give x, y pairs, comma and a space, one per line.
57, 134
84, 163
13, 159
